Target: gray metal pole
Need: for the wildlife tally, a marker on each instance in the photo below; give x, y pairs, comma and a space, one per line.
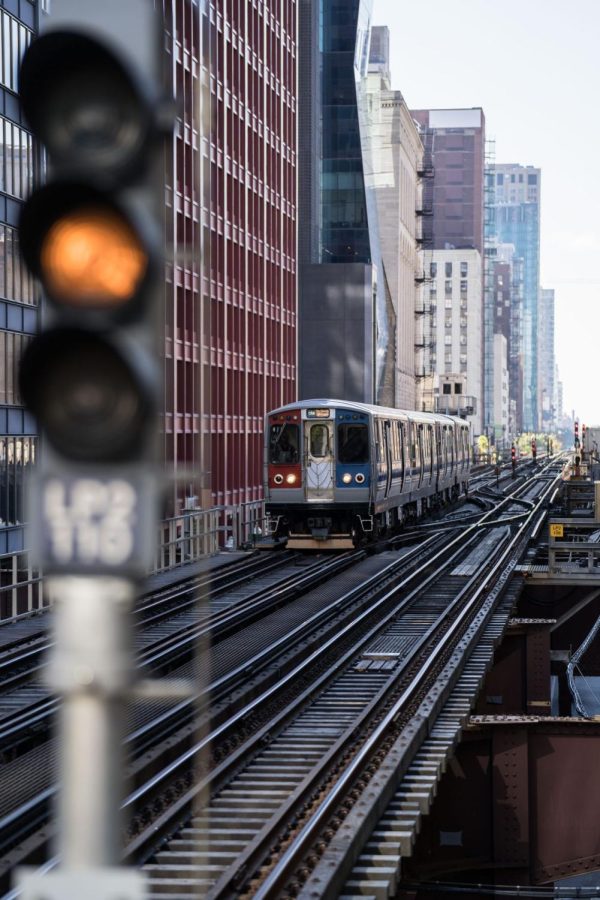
92, 668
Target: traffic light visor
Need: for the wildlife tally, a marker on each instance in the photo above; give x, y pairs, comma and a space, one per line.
85, 105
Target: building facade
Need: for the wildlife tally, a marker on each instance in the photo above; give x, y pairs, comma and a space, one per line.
517, 213
346, 324
19, 300
547, 362
454, 154
453, 330
230, 306
396, 167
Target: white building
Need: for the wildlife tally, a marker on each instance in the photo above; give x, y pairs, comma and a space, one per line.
500, 415
392, 170
453, 331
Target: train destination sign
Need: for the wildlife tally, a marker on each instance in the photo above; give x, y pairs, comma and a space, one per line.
318, 413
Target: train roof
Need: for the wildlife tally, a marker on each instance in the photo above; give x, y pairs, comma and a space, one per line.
368, 409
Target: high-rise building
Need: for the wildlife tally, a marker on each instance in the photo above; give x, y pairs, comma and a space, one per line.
345, 311
19, 298
506, 315
455, 332
230, 311
454, 141
546, 361
395, 167
517, 201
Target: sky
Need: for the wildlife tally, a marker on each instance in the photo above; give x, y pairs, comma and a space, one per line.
534, 68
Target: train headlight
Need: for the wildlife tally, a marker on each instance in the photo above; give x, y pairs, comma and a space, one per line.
360, 478
347, 478
278, 479
290, 479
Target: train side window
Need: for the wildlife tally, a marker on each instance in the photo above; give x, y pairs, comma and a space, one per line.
401, 443
319, 440
353, 443
284, 441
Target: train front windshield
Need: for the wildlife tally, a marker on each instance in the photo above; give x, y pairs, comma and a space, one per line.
284, 441
353, 443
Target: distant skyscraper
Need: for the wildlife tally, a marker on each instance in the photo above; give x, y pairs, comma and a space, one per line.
546, 361
517, 203
346, 334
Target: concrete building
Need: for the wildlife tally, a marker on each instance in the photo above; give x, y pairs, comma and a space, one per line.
19, 301
454, 142
546, 361
346, 317
453, 330
517, 211
395, 168
507, 314
230, 310
501, 393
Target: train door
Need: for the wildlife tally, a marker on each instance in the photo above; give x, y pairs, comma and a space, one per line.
387, 445
318, 440
402, 445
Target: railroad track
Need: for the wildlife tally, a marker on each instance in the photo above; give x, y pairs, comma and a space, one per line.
270, 822
232, 731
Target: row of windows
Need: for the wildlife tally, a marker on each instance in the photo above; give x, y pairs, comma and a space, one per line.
17, 456
531, 179
464, 269
16, 283
464, 287
14, 40
11, 348
16, 160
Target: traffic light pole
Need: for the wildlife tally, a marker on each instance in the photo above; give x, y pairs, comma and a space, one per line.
92, 668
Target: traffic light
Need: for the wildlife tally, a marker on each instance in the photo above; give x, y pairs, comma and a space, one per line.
576, 441
513, 458
91, 91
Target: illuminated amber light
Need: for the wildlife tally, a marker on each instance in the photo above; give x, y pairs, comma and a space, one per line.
92, 257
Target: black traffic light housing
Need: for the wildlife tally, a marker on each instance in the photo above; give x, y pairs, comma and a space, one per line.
91, 90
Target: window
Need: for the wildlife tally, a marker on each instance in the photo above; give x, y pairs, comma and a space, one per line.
447, 339
432, 269
464, 269
532, 179
17, 456
448, 359
353, 443
499, 179
283, 443
448, 322
319, 440
433, 291
463, 287
448, 303
448, 288
448, 270
458, 387
446, 388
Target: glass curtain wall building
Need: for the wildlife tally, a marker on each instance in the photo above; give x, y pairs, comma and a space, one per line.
18, 313
344, 331
518, 190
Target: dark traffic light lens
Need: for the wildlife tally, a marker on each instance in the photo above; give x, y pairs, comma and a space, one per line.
84, 105
87, 397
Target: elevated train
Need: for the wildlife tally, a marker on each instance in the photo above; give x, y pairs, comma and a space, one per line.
340, 474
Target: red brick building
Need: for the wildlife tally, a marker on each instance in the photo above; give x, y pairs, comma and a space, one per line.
230, 314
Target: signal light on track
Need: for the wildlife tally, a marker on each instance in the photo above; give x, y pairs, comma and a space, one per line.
91, 90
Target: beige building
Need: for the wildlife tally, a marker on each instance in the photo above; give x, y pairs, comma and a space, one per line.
394, 162
452, 334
